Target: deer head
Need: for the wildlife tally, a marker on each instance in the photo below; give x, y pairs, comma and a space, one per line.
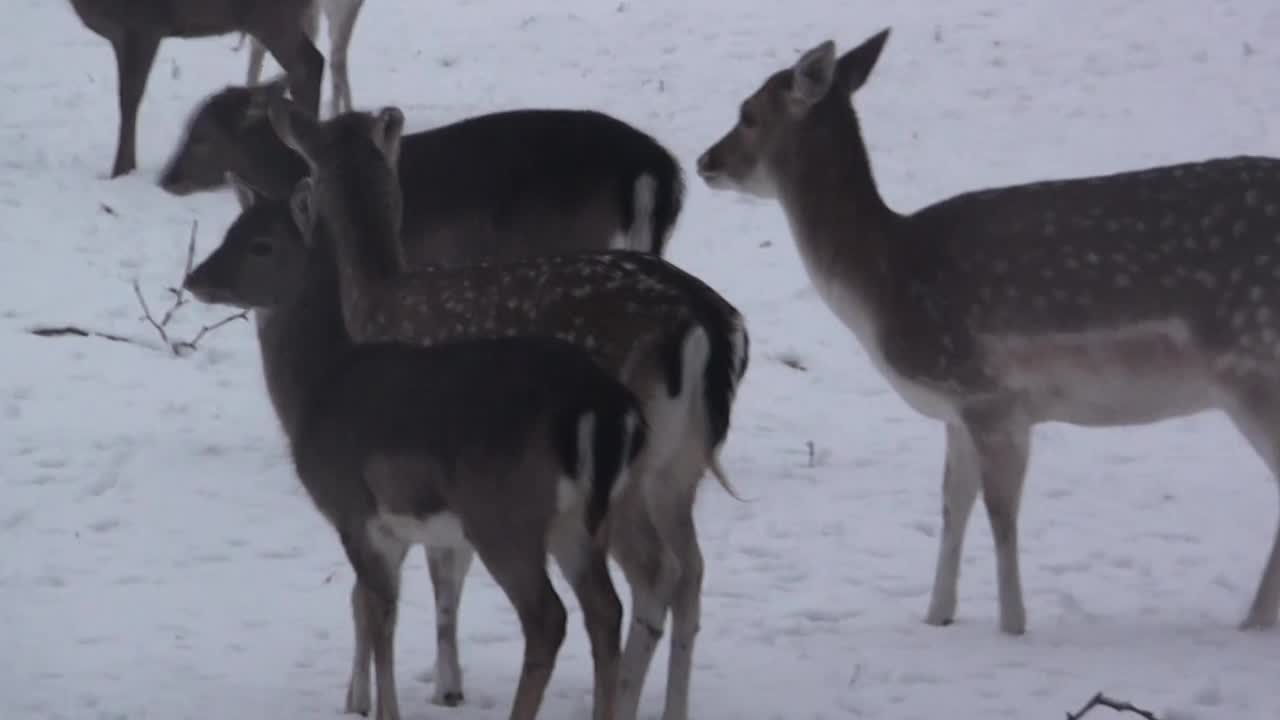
782, 112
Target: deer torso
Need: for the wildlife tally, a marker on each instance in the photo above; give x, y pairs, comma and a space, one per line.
1110, 300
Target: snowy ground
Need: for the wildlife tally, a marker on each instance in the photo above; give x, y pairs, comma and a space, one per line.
159, 560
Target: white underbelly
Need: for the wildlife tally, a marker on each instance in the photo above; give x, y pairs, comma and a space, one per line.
1133, 375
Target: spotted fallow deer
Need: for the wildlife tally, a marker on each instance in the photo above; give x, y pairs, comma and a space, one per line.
515, 447
675, 342
1100, 301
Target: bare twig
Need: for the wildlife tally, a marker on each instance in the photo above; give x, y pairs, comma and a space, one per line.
180, 298
1101, 700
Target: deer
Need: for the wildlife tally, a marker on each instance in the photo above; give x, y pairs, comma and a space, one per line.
512, 448
1103, 301
502, 185
678, 345
341, 16
136, 28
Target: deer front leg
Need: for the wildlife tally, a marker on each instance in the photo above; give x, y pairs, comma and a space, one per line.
359, 696
448, 568
135, 53
376, 557
1003, 446
960, 483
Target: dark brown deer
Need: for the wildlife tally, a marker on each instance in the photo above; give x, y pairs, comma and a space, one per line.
1102, 301
512, 446
504, 185
341, 16
135, 28
679, 346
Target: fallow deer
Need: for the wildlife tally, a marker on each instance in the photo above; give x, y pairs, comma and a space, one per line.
510, 184
136, 27
679, 346
511, 446
1112, 300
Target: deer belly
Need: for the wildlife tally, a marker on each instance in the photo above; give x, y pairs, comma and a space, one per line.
1132, 375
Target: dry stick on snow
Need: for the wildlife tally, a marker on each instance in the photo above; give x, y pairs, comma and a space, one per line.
181, 347
1101, 700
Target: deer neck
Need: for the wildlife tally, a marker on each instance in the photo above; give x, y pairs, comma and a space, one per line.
303, 342
841, 225
370, 262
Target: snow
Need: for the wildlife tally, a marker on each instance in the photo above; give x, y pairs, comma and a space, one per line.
158, 558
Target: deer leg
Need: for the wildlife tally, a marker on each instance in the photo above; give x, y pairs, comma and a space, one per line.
653, 572
686, 615
359, 697
1256, 414
516, 557
257, 53
960, 483
1003, 446
376, 557
135, 53
586, 568
448, 567
302, 62
342, 22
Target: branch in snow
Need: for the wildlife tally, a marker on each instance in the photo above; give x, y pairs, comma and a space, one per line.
161, 326
1101, 700
180, 298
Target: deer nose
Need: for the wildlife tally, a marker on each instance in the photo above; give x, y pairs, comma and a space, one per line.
708, 164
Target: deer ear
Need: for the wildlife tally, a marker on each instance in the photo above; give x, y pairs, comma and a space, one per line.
855, 66
388, 127
295, 127
812, 74
300, 208
245, 193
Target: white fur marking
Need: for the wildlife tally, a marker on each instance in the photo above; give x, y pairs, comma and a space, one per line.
644, 198
442, 530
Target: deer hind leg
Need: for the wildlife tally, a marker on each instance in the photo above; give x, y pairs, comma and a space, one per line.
376, 556
448, 568
652, 571
585, 566
1256, 414
960, 483
342, 16
1003, 445
686, 613
302, 62
513, 548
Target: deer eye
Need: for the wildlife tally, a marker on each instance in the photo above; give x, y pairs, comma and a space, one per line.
260, 248
747, 119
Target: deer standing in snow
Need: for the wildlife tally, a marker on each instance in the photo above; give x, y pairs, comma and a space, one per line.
515, 447
677, 344
341, 16
135, 28
509, 184
1102, 301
